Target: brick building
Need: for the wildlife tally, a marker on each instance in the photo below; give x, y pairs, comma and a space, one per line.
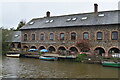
101, 29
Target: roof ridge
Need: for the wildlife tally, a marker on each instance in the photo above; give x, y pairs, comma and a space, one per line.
74, 14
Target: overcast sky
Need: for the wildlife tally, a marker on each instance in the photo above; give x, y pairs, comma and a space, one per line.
13, 11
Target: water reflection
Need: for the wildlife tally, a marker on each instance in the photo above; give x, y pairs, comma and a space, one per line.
35, 68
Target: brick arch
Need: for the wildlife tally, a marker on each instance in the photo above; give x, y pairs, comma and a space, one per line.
100, 50
42, 47
25, 47
52, 47
12, 45
33, 46
74, 47
114, 48
64, 48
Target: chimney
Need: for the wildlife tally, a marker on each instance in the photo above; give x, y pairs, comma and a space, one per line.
47, 14
95, 8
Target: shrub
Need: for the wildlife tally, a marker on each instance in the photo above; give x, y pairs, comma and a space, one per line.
80, 57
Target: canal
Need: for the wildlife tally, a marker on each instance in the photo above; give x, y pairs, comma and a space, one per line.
35, 68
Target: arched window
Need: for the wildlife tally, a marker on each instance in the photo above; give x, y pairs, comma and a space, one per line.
25, 37
99, 35
51, 36
114, 35
33, 36
73, 36
85, 36
62, 36
42, 36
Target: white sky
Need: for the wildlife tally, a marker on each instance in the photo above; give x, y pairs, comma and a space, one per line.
13, 11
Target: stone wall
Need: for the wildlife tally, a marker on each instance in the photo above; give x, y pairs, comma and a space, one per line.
106, 43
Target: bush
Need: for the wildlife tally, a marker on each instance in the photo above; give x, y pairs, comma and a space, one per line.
80, 57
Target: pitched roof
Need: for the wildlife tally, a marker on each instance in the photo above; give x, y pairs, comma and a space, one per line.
82, 19
14, 36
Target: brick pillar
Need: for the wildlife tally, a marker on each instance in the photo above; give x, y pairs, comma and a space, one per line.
16, 45
106, 54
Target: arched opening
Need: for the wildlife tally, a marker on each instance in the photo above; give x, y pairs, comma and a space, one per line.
33, 47
61, 48
73, 49
99, 50
85, 49
12, 45
114, 50
25, 48
41, 47
19, 45
51, 49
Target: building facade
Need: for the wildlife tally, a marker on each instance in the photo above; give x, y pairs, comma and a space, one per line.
14, 40
100, 29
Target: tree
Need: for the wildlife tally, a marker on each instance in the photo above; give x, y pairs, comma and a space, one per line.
84, 45
21, 24
4, 36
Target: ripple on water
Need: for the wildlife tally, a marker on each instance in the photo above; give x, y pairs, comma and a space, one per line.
34, 68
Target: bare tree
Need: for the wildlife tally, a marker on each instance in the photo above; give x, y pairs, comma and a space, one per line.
84, 45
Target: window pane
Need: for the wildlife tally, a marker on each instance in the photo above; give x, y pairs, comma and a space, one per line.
114, 35
51, 36
73, 36
85, 35
62, 36
42, 37
99, 35
33, 36
25, 37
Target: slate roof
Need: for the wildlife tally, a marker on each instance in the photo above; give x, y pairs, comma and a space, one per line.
14, 36
82, 19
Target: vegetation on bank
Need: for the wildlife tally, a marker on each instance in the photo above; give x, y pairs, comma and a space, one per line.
4, 37
4, 33
80, 57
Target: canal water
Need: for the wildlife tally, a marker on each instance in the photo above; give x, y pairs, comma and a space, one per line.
35, 68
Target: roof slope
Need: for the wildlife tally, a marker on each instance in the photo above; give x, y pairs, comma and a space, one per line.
14, 36
83, 19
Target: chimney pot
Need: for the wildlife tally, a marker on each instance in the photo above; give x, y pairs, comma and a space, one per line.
48, 14
95, 8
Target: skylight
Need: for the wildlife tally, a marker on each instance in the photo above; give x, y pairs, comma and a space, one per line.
51, 21
84, 18
31, 23
69, 19
101, 15
74, 19
47, 21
